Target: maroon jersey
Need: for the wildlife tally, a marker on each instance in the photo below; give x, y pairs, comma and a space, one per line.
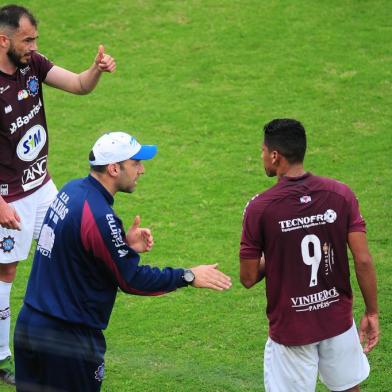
23, 130
301, 225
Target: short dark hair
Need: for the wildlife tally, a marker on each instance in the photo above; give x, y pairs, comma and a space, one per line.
96, 168
100, 168
10, 16
287, 136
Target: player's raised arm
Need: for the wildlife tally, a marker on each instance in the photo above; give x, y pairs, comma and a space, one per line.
84, 82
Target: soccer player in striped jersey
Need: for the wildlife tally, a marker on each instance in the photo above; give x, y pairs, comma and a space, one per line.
295, 235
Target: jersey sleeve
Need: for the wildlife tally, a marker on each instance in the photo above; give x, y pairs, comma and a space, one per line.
356, 221
251, 246
105, 238
43, 64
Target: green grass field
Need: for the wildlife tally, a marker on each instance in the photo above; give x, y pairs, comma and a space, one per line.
200, 78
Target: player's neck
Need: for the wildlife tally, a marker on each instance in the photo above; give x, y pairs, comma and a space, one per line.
295, 170
105, 182
6, 66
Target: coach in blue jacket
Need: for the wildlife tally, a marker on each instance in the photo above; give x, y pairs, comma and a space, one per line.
83, 255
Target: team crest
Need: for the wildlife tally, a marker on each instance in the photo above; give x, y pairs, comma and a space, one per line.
7, 244
330, 216
100, 372
32, 86
305, 199
5, 313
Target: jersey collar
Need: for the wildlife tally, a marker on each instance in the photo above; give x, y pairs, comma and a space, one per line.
299, 178
96, 184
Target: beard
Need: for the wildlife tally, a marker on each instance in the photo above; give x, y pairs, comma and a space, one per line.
127, 189
15, 58
270, 172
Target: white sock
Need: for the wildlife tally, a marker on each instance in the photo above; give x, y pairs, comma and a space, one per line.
5, 319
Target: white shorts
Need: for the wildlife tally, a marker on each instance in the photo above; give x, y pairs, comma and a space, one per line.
14, 244
339, 361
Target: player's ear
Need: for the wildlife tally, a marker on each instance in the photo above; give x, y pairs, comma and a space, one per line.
3, 41
274, 156
113, 169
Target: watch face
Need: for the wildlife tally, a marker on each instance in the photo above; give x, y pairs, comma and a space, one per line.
189, 276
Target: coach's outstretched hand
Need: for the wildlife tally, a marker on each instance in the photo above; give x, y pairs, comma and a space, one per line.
209, 277
103, 61
138, 238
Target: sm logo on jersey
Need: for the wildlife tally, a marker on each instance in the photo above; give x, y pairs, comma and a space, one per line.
31, 143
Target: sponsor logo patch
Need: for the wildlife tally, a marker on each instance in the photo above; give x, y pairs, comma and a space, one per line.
7, 244
305, 199
24, 70
115, 231
60, 206
5, 313
329, 258
31, 143
4, 89
316, 301
33, 86
100, 372
3, 189
35, 174
8, 109
123, 252
305, 222
24, 120
22, 94
46, 240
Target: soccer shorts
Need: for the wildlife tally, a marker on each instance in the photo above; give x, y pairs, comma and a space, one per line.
14, 244
339, 361
52, 355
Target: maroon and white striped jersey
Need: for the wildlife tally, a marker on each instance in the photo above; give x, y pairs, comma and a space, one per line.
23, 130
301, 225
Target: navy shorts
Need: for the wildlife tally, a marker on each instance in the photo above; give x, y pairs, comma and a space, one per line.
54, 356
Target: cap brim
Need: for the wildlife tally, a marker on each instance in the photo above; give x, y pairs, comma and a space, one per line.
145, 152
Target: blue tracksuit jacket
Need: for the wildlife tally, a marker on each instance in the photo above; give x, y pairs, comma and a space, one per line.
82, 258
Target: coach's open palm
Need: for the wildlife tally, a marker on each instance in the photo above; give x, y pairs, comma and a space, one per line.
209, 277
138, 238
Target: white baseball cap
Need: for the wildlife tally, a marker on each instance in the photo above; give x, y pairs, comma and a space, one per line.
116, 147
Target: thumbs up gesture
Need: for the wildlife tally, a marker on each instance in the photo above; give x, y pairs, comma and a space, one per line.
138, 238
103, 61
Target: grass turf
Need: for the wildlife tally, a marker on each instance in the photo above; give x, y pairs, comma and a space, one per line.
200, 78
